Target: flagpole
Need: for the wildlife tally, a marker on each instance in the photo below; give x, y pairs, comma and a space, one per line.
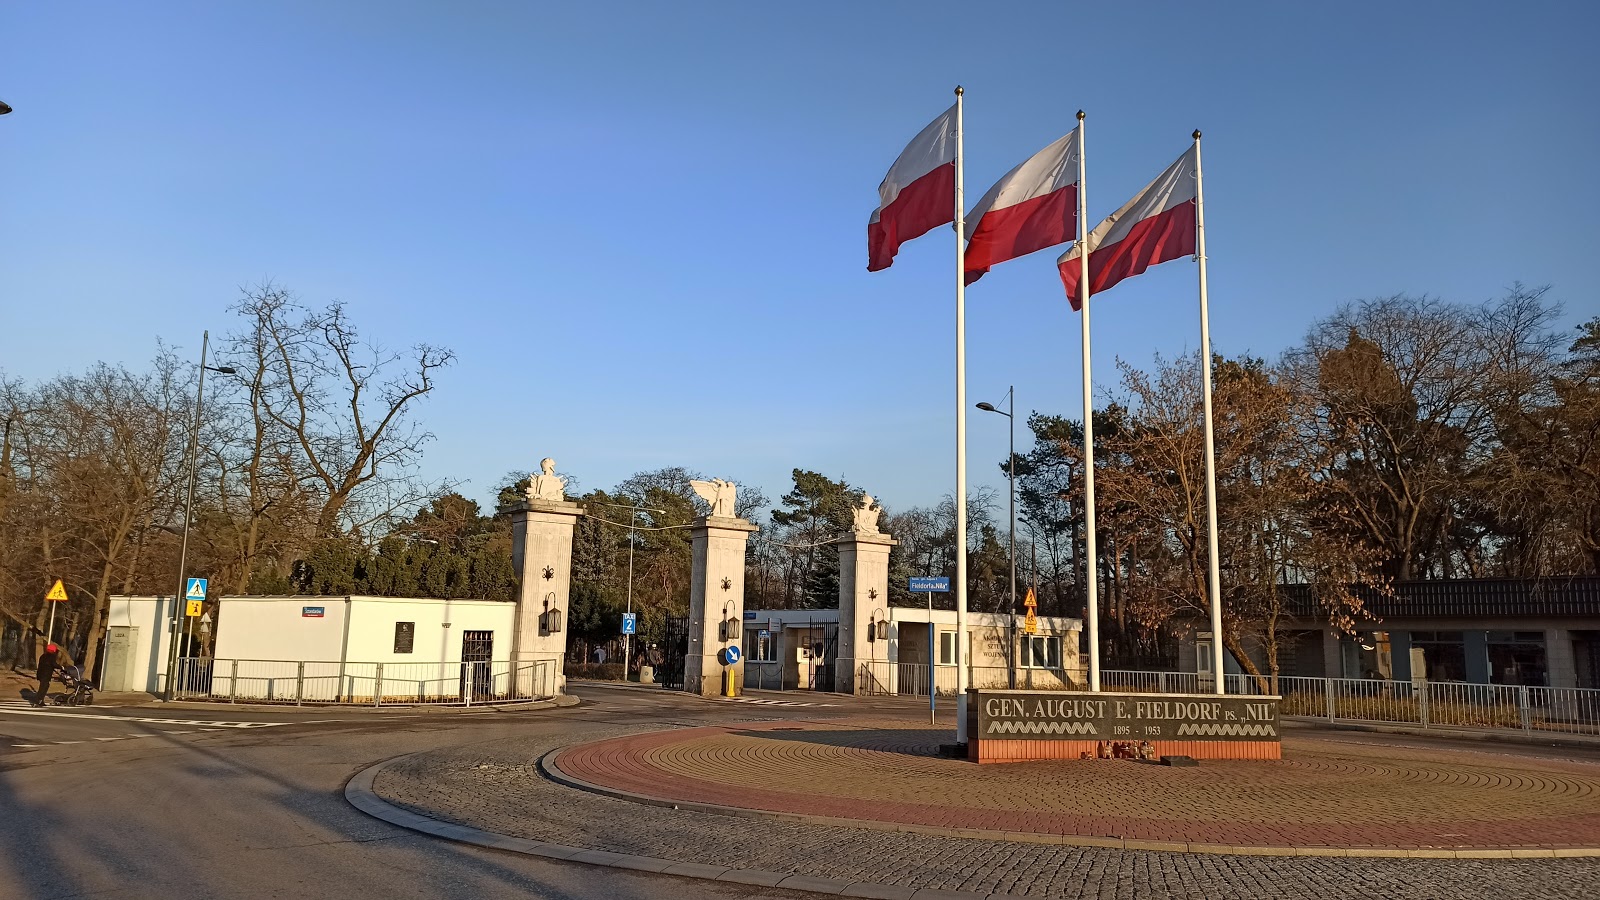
961, 433
1211, 452
1092, 575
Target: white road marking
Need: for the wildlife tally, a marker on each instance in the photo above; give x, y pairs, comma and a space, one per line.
68, 742
110, 739
74, 715
29, 746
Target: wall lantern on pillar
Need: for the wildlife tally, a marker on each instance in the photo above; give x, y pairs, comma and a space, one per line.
877, 626
550, 619
731, 628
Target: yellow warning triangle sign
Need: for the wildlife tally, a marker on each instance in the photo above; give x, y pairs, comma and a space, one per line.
57, 593
1029, 602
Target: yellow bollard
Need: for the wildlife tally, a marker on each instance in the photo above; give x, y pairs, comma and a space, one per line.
728, 688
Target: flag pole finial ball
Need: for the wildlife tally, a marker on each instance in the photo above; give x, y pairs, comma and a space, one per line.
959, 90
1197, 134
1080, 115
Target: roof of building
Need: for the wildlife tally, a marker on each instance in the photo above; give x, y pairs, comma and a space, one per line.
1564, 596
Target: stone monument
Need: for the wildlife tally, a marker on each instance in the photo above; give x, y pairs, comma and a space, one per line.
541, 554
863, 599
716, 591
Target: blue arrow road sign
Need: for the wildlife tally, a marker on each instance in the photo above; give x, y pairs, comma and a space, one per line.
731, 654
926, 585
196, 589
630, 623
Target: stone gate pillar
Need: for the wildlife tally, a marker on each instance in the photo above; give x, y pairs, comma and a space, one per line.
716, 599
541, 554
863, 601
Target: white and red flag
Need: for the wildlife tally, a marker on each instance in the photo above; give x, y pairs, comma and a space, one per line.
918, 194
1158, 224
1033, 207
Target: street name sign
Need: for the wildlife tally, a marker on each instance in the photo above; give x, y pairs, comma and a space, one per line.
930, 585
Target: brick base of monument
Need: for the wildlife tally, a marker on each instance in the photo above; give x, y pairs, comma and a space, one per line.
1013, 726
982, 751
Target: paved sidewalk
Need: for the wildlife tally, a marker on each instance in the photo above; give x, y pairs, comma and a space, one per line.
1323, 794
497, 787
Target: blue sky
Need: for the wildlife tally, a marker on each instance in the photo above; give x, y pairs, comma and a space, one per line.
642, 225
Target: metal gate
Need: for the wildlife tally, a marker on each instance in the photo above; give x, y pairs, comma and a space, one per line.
674, 648
477, 649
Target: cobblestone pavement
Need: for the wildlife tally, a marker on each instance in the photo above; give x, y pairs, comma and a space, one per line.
496, 786
1317, 796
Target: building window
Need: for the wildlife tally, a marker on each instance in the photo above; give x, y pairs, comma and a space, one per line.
947, 648
1518, 657
760, 646
1444, 655
1041, 651
405, 636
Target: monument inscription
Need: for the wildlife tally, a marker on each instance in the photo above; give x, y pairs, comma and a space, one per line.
1034, 716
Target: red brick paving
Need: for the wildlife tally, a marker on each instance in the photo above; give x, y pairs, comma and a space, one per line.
1322, 794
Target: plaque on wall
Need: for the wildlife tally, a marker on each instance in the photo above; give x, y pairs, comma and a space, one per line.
405, 635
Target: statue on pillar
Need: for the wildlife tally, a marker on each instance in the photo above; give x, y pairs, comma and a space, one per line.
547, 486
718, 493
866, 516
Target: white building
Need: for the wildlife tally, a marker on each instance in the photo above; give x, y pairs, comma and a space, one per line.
137, 642
358, 649
798, 649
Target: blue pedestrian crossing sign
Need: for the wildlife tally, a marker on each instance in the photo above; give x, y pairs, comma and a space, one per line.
197, 589
630, 623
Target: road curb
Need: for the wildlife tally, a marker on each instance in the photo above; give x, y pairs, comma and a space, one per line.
358, 792
549, 766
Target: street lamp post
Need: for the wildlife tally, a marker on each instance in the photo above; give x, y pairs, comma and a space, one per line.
188, 502
633, 519
1011, 541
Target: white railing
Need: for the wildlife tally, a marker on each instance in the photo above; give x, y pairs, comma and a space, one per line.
367, 684
1428, 704
1431, 704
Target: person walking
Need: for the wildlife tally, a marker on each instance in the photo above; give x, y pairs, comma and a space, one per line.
48, 660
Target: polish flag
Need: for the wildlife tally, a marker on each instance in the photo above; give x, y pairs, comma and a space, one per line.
1033, 207
1158, 224
918, 194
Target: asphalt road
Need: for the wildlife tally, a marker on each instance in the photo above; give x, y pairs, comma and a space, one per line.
178, 803
188, 802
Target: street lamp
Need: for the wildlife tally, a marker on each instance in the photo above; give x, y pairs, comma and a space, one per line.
1011, 551
633, 519
188, 502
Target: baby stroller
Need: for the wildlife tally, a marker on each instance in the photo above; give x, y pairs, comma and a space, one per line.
78, 693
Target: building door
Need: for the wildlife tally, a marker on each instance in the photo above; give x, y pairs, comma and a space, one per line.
117, 675
477, 651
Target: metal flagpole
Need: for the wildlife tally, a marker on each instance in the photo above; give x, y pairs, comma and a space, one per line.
1211, 452
1092, 572
961, 434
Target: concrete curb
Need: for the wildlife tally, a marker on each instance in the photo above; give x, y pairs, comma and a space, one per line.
358, 792
550, 768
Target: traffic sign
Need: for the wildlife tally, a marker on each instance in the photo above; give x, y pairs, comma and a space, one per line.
929, 585
730, 654
193, 608
1030, 625
196, 590
58, 592
630, 623
1030, 604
